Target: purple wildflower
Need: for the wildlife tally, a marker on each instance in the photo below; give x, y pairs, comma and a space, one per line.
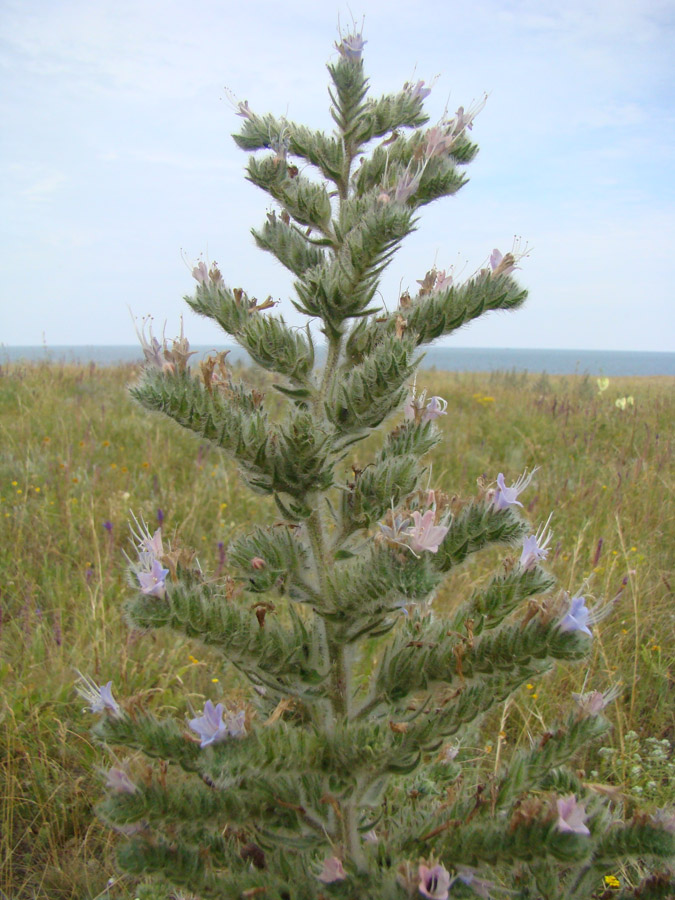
465, 118
351, 47
98, 698
535, 547
151, 347
419, 92
424, 535
406, 186
160, 517
332, 871
146, 544
577, 617
434, 883
395, 532
592, 703
443, 281
508, 496
153, 582
108, 526
200, 272
435, 408
571, 816
119, 781
438, 142
212, 728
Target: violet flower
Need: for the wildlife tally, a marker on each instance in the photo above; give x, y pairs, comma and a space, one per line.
99, 699
153, 582
434, 883
145, 542
151, 347
438, 142
395, 532
351, 47
577, 617
419, 92
443, 281
571, 816
200, 273
594, 702
535, 547
212, 728
119, 781
424, 535
508, 496
332, 871
435, 408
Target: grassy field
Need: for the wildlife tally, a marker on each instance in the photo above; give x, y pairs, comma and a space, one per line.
76, 456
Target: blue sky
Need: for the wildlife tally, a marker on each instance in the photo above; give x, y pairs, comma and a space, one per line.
116, 158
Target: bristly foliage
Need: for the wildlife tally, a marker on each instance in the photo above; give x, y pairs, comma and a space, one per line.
336, 777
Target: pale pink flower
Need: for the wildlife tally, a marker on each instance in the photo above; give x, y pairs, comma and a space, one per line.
434, 882
435, 408
332, 870
592, 703
424, 534
119, 781
571, 816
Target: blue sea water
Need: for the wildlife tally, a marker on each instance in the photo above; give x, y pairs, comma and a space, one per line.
449, 359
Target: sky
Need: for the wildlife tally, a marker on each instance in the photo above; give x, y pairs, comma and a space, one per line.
118, 170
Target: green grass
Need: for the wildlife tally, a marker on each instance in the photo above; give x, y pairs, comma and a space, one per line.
76, 453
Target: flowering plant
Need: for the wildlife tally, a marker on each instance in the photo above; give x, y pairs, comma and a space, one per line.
325, 784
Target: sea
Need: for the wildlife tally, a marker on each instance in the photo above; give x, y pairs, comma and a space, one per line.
449, 359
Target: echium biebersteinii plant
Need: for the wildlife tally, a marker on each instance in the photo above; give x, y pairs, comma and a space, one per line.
323, 784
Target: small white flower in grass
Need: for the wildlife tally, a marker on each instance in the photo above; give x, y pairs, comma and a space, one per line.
535, 547
571, 816
434, 882
119, 781
99, 699
332, 871
508, 496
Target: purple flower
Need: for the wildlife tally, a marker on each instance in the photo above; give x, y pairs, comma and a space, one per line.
438, 142
152, 582
571, 816
212, 728
435, 408
99, 699
505, 264
333, 870
351, 47
535, 547
406, 186
151, 347
200, 273
419, 92
146, 544
577, 617
119, 781
508, 496
464, 119
424, 535
434, 883
592, 703
443, 281
395, 532
108, 526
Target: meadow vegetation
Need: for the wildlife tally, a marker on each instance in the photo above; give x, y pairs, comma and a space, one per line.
77, 456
